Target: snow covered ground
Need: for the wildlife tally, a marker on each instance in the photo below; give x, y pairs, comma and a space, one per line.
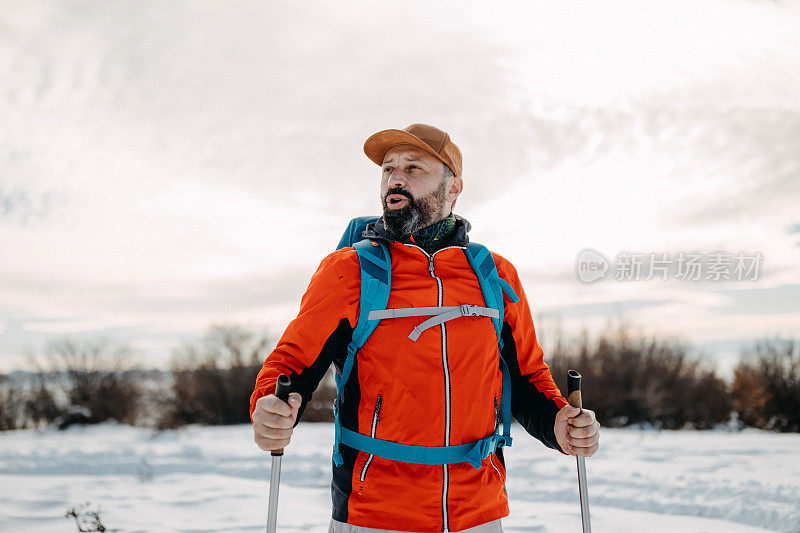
215, 479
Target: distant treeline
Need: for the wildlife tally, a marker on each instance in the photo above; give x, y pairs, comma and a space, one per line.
628, 380
631, 380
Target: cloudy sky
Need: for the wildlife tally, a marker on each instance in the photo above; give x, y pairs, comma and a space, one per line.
169, 165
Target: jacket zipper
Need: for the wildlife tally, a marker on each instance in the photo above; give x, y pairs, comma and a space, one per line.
445, 366
372, 434
491, 461
496, 425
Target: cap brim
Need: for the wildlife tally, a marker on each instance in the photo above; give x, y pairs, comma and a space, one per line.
378, 144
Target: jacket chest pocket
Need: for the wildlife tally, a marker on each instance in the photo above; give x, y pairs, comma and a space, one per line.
373, 431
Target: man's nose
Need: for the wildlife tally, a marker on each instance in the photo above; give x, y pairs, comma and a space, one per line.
396, 179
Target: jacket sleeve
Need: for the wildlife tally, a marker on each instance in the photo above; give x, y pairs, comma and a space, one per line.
535, 398
319, 334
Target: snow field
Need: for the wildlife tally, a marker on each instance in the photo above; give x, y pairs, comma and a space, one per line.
215, 479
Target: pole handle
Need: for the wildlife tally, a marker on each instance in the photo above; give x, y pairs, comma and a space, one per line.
282, 388
574, 389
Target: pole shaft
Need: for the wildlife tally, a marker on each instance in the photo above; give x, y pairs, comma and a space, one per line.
274, 483
282, 387
574, 398
583, 491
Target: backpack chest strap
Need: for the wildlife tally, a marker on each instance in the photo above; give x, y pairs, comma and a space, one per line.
441, 314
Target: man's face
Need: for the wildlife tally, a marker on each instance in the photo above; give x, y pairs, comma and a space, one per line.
414, 192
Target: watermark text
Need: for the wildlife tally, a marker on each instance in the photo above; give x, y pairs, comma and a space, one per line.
593, 266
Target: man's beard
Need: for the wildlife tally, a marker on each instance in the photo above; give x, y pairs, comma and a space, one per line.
417, 214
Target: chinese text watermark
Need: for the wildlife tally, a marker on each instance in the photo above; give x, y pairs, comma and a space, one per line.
592, 266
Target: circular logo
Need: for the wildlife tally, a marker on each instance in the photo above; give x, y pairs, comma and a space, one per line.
591, 265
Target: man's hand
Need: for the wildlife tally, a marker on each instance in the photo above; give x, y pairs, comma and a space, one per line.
273, 421
577, 434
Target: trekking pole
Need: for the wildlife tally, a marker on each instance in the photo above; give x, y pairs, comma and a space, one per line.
574, 398
282, 392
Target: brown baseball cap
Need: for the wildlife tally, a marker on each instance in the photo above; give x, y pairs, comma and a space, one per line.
431, 139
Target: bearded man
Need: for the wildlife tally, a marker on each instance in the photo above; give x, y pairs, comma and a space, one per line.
417, 445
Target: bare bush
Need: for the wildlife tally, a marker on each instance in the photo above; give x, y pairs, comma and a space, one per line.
95, 381
766, 387
12, 406
634, 380
86, 520
212, 381
41, 407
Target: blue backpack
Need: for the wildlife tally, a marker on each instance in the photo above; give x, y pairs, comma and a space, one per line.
376, 282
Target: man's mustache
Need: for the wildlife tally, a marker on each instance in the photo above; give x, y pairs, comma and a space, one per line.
400, 191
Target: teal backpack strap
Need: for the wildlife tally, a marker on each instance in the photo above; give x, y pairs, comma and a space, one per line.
376, 280
352, 234
493, 287
472, 452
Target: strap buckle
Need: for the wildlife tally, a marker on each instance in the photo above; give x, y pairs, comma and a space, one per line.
484, 448
468, 310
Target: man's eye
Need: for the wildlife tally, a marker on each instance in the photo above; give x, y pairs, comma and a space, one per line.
413, 166
387, 169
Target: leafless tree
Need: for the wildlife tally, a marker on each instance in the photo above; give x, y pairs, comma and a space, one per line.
766, 387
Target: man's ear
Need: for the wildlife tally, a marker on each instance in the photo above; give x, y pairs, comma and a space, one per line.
456, 186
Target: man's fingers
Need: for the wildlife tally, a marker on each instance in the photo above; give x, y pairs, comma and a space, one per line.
295, 400
586, 418
273, 433
585, 452
585, 431
271, 420
273, 404
566, 412
577, 431
267, 444
584, 442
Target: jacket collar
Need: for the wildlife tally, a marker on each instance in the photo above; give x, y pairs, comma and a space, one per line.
377, 230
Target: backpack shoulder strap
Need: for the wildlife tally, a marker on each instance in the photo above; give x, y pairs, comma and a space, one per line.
376, 281
493, 287
352, 234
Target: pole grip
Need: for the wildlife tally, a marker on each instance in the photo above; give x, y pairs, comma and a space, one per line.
282, 388
574, 389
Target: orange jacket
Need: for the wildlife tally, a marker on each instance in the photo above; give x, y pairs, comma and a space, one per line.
441, 390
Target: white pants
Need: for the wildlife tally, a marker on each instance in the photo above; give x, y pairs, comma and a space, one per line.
339, 527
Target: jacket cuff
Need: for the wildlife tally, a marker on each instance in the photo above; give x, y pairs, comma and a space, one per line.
549, 431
